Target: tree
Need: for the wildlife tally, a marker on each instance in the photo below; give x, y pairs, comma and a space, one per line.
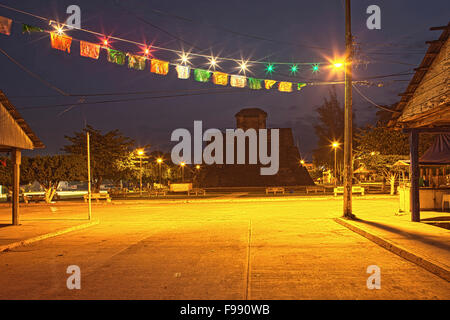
106, 151
378, 148
329, 128
49, 171
5, 172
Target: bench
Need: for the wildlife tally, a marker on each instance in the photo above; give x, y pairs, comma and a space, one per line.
33, 197
97, 197
274, 190
315, 189
355, 189
197, 191
157, 192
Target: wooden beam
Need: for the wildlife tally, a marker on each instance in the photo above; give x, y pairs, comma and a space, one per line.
443, 129
414, 177
439, 28
16, 160
434, 42
421, 69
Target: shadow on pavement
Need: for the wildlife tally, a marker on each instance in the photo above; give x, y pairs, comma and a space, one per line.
409, 235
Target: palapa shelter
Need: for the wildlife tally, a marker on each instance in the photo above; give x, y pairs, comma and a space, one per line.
15, 135
425, 106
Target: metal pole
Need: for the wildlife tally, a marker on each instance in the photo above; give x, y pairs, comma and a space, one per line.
160, 173
140, 176
89, 175
348, 169
335, 168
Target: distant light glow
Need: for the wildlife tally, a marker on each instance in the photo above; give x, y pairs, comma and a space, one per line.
302, 162
335, 144
197, 167
105, 42
159, 160
182, 163
140, 152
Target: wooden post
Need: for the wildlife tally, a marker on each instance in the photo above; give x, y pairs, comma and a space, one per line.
348, 158
414, 177
16, 160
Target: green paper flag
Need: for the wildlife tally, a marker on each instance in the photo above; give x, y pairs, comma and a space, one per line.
116, 56
202, 75
254, 84
136, 62
300, 85
29, 28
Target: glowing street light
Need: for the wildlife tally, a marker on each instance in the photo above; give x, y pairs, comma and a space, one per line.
140, 153
182, 164
159, 161
335, 146
302, 162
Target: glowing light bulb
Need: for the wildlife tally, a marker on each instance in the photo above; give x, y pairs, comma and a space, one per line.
270, 68
59, 30
147, 51
338, 65
213, 62
315, 68
184, 58
243, 66
105, 42
294, 69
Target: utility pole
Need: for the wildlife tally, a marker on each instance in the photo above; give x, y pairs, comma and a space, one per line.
89, 174
348, 166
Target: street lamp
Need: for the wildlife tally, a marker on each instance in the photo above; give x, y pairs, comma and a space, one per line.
182, 164
140, 153
302, 162
335, 146
159, 160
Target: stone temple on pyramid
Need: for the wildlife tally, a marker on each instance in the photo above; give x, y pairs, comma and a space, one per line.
290, 172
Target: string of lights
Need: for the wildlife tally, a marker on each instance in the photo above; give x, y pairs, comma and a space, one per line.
242, 63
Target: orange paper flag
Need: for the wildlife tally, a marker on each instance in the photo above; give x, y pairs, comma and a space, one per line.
5, 25
60, 42
269, 83
159, 66
220, 78
89, 50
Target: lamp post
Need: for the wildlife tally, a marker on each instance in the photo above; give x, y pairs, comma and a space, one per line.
140, 153
182, 164
159, 160
335, 145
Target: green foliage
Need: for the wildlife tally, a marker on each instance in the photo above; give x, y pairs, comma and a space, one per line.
385, 141
378, 148
330, 127
5, 172
107, 150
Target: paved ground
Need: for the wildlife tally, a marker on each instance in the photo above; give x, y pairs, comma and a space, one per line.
217, 250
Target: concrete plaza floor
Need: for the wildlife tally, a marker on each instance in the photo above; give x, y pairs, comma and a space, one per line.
253, 249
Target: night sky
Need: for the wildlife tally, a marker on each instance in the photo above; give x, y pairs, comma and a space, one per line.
302, 31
